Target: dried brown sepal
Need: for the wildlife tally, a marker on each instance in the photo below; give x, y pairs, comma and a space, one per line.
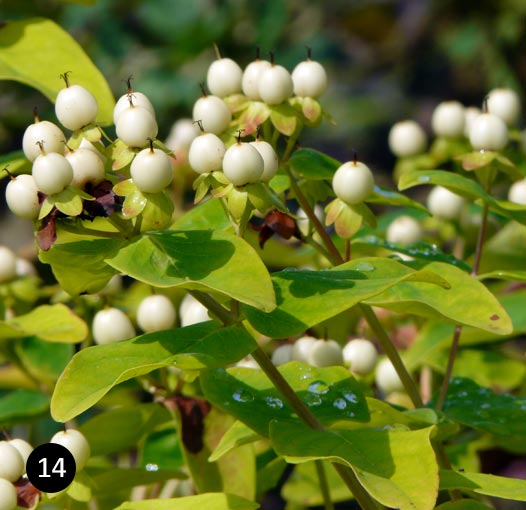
106, 201
277, 222
28, 495
47, 233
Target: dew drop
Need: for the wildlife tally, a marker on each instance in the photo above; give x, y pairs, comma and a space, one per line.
312, 400
339, 403
318, 387
274, 402
364, 266
242, 396
351, 397
152, 467
424, 178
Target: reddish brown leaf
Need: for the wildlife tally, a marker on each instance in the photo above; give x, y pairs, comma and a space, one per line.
28, 494
47, 233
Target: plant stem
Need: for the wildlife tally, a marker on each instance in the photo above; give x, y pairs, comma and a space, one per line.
226, 317
324, 485
347, 250
392, 354
360, 494
480, 240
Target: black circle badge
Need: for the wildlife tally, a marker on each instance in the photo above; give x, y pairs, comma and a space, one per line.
51, 467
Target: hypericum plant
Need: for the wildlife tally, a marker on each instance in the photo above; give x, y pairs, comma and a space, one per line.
268, 378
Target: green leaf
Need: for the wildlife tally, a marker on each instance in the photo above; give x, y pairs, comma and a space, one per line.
464, 187
397, 468
54, 323
158, 211
477, 159
237, 435
480, 483
386, 196
302, 295
331, 394
37, 51
16, 162
464, 504
253, 116
200, 259
92, 372
79, 266
118, 430
209, 215
505, 250
313, 165
162, 448
20, 405
482, 408
134, 204
466, 301
68, 202
121, 155
210, 501
284, 118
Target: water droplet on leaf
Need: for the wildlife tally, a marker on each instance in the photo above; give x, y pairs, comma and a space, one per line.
339, 403
318, 387
242, 396
274, 402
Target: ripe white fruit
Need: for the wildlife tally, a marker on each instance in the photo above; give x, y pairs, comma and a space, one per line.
75, 107
270, 159
206, 153
517, 192
25, 268
224, 77
213, 112
353, 182
151, 170
192, 311
7, 264
387, 378
52, 173
137, 99
309, 79
303, 220
504, 103
156, 313
12, 466
444, 204
111, 325
488, 132
325, 353
76, 443
21, 195
23, 447
136, 126
275, 85
242, 164
8, 495
360, 355
302, 347
46, 132
404, 230
448, 119
407, 138
182, 134
282, 354
87, 167
251, 76
470, 113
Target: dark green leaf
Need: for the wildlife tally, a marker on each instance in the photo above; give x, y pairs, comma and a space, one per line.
312, 164
20, 405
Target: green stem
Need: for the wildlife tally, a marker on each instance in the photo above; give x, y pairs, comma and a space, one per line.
360, 494
324, 485
392, 354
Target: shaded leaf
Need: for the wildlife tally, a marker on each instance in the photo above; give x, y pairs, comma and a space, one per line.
284, 118
313, 165
19, 405
210, 501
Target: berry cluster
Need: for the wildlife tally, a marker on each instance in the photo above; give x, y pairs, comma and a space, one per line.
15, 452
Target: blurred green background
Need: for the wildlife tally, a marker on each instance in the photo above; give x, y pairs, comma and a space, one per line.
386, 59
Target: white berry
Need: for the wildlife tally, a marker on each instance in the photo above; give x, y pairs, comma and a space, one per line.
182, 134
12, 466
151, 170
224, 77
192, 311
8, 495
46, 132
23, 447
206, 153
309, 79
7, 264
353, 182
87, 167
156, 313
251, 76
444, 204
282, 354
488, 132
504, 103
404, 230
76, 443
242, 164
302, 347
325, 353
360, 355
270, 159
52, 173
213, 112
387, 378
517, 192
448, 119
136, 126
111, 325
21, 195
137, 99
275, 85
407, 138
470, 113
75, 107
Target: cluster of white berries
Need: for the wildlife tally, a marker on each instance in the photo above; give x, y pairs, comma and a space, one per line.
154, 313
15, 452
